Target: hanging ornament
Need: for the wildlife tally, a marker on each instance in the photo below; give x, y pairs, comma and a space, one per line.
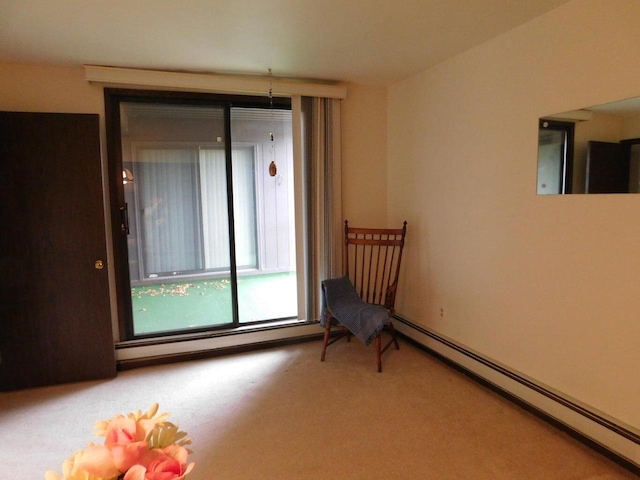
273, 169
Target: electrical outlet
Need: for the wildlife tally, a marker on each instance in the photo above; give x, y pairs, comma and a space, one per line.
442, 311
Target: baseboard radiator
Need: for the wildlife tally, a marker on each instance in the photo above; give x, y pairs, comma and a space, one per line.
618, 442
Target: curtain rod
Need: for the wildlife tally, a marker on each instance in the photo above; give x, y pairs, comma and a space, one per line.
205, 82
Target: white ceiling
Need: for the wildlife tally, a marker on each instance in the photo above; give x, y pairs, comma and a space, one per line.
376, 42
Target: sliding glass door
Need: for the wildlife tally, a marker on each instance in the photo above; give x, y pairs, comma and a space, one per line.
209, 227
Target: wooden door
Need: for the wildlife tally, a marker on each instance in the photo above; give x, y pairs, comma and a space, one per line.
54, 303
607, 168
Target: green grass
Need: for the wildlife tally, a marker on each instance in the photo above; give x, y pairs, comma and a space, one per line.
203, 303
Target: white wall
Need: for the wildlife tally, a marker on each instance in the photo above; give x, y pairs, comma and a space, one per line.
364, 152
33, 88
546, 285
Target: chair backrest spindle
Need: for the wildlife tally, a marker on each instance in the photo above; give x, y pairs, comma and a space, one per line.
375, 255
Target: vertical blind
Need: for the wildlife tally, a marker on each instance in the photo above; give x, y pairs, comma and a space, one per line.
170, 223
323, 200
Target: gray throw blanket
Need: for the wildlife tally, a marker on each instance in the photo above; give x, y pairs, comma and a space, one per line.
363, 319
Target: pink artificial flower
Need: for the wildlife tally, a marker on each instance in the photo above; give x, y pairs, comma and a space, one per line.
124, 430
124, 445
161, 464
127, 440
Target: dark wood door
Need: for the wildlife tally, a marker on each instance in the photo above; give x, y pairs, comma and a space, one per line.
54, 303
607, 168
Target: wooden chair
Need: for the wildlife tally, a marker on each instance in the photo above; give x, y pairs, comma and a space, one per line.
371, 260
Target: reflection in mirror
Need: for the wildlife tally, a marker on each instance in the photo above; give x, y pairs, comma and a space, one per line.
555, 157
592, 150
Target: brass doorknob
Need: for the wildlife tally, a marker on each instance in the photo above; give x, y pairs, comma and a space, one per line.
99, 264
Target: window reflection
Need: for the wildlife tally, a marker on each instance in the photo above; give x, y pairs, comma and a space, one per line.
555, 157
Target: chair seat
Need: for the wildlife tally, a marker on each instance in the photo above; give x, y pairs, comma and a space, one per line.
341, 300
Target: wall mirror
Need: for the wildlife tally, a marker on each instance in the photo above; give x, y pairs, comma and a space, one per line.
591, 150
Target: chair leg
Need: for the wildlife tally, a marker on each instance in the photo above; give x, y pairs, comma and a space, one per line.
380, 350
327, 334
393, 335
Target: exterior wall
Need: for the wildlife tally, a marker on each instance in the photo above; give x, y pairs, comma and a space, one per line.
546, 285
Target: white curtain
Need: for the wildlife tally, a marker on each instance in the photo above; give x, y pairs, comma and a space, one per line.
167, 203
215, 228
213, 184
323, 197
244, 207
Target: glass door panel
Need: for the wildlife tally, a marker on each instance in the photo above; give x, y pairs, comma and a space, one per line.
174, 170
184, 275
264, 214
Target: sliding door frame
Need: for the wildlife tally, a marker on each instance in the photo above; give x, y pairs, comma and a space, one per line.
118, 209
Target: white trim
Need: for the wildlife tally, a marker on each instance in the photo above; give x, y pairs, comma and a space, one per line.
205, 82
548, 404
573, 116
299, 207
218, 341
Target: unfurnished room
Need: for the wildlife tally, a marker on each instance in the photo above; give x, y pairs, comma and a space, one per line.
260, 239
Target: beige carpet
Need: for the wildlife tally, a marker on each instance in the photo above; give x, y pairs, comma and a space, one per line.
282, 414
